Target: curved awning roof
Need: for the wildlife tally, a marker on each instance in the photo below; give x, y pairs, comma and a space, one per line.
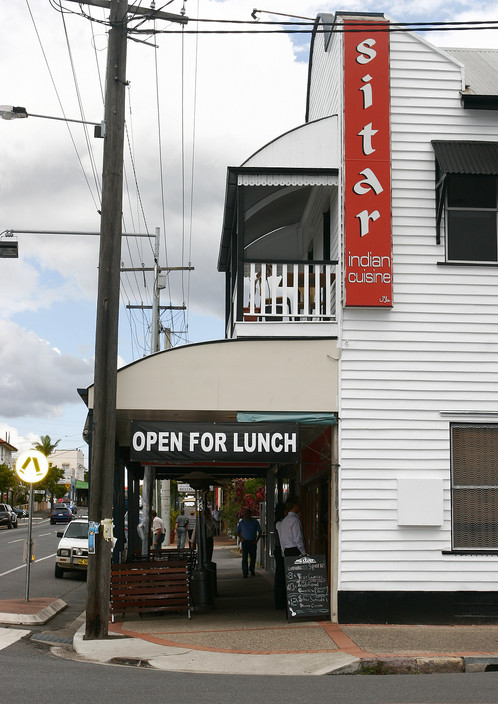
214, 381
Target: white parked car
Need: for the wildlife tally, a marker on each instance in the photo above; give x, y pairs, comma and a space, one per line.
72, 553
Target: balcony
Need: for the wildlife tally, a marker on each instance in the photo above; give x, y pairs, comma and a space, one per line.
284, 299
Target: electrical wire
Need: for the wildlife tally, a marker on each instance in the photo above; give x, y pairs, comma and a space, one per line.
328, 29
161, 181
309, 25
192, 185
96, 201
82, 113
135, 322
182, 162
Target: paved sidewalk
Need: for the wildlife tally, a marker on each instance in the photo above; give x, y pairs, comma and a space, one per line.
244, 634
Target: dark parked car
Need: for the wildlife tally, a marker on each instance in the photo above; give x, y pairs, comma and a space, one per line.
20, 512
8, 517
61, 514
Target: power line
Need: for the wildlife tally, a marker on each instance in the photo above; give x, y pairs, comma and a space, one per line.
324, 28
82, 111
60, 103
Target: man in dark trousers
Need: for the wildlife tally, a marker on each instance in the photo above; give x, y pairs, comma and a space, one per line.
249, 532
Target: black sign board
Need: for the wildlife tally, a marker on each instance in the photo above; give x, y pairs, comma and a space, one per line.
213, 442
307, 586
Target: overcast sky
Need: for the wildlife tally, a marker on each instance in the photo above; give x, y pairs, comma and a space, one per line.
196, 104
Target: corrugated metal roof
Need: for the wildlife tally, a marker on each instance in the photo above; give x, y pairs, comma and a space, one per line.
467, 157
481, 69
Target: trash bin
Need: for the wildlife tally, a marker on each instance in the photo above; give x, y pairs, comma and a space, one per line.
214, 578
202, 588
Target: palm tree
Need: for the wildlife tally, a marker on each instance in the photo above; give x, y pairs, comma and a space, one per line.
46, 446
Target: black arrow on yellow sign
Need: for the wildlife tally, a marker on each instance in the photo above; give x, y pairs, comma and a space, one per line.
35, 462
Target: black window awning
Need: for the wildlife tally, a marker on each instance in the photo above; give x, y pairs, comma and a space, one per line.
471, 158
466, 157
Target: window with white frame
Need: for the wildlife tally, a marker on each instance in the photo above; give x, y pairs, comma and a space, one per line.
474, 486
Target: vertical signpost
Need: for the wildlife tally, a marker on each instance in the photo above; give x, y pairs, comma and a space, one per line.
31, 467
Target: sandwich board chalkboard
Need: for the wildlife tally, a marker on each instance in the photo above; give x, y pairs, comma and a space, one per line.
307, 586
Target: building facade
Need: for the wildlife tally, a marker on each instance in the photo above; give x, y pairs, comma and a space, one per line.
360, 252
400, 159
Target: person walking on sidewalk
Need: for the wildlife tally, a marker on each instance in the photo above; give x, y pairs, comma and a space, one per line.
216, 514
290, 530
181, 527
249, 532
209, 533
158, 532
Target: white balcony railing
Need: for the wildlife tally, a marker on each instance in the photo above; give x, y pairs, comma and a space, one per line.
304, 291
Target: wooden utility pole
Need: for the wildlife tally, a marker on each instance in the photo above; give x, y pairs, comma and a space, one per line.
103, 455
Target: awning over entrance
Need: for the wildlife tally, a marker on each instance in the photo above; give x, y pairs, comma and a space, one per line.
215, 382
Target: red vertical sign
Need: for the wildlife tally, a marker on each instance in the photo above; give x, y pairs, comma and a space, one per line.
367, 164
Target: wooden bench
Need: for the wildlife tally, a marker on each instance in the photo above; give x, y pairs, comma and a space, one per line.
176, 554
143, 587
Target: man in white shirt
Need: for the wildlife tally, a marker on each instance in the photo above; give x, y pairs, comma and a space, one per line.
158, 532
290, 530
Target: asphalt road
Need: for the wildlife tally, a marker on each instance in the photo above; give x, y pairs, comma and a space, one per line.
42, 582
37, 669
30, 671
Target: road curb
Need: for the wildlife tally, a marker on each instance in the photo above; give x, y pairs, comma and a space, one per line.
481, 663
404, 666
38, 617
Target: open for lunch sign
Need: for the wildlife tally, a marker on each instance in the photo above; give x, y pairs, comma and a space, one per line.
367, 164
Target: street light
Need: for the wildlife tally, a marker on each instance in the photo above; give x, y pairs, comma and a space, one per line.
11, 112
8, 249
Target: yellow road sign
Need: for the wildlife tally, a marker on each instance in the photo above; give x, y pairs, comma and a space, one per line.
32, 466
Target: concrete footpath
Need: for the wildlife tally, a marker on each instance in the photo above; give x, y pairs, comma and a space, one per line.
244, 634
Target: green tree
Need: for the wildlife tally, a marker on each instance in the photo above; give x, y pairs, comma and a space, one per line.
7, 478
51, 483
20, 491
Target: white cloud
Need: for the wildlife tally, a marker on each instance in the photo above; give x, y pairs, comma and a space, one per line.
17, 440
36, 379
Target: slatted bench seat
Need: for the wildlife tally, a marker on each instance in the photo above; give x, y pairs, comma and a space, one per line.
144, 587
175, 554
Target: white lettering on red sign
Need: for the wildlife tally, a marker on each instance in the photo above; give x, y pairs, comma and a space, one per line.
367, 164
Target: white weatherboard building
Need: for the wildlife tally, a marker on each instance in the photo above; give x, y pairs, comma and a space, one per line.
360, 252
418, 384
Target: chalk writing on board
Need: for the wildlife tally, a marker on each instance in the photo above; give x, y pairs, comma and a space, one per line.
307, 586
